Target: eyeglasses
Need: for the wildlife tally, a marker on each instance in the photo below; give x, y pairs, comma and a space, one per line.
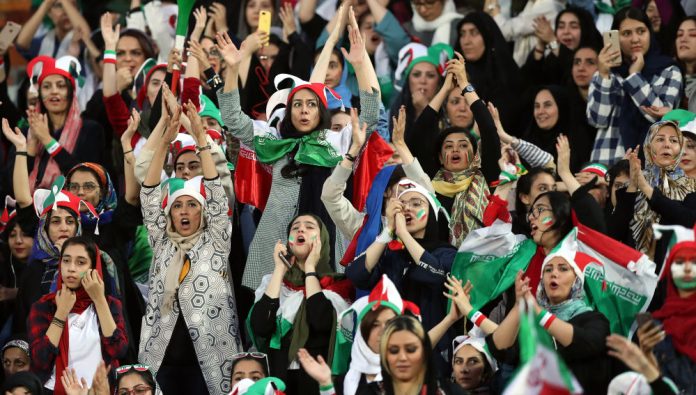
88, 187
536, 211
272, 58
137, 390
426, 3
213, 52
414, 203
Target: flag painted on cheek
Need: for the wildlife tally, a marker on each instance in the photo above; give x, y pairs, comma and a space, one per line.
421, 215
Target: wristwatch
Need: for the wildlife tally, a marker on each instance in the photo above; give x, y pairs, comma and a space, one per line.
468, 89
553, 45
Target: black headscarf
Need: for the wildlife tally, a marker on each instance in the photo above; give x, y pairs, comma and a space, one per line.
546, 139
27, 380
589, 35
495, 75
633, 126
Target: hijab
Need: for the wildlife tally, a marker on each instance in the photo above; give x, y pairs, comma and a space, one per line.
28, 380
569, 308
589, 35
46, 252
670, 180
107, 204
632, 123
440, 25
83, 301
678, 315
546, 139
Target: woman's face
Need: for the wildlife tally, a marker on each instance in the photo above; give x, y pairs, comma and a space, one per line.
74, 263
372, 38
305, 111
541, 219
654, 15
545, 110
416, 211
405, 356
584, 67
155, 84
20, 243
188, 165
133, 382
664, 146
471, 41
620, 182
54, 94
688, 160
634, 37
468, 367
247, 369
15, 360
61, 226
424, 79
339, 121
253, 7
186, 215
542, 183
212, 53
456, 152
333, 72
19, 391
686, 41
59, 17
129, 54
429, 10
458, 111
304, 232
682, 270
378, 328
569, 31
85, 185
558, 278
268, 55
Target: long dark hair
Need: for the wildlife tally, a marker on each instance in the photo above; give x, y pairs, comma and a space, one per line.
87, 243
682, 65
412, 325
635, 14
71, 93
524, 186
561, 209
146, 44
589, 35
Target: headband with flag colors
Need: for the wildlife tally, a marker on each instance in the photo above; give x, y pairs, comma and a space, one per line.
179, 187
8, 213
478, 343
208, 109
414, 53
46, 200
595, 168
568, 250
681, 238
406, 185
43, 66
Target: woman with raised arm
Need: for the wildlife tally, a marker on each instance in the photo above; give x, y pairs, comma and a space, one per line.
190, 322
287, 145
78, 325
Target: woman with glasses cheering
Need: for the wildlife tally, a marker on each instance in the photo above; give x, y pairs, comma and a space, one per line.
135, 380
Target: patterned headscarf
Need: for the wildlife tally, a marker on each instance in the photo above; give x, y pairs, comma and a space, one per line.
670, 180
107, 204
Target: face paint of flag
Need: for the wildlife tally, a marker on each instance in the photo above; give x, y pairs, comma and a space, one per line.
291, 240
420, 214
547, 221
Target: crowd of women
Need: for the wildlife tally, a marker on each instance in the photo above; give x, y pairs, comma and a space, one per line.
280, 210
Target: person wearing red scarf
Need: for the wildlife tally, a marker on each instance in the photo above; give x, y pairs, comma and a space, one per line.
676, 354
78, 325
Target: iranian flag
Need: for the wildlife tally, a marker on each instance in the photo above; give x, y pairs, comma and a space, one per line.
252, 179
619, 281
542, 371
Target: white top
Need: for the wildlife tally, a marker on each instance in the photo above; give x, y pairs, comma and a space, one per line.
85, 346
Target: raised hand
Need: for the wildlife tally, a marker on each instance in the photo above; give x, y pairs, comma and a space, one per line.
457, 67
197, 129
399, 128
38, 123
359, 132
314, 254
100, 382
287, 17
173, 60
228, 50
201, 17
14, 136
315, 368
281, 249
94, 285
394, 207
522, 287
459, 294
339, 26
133, 123
563, 150
637, 63
357, 44
543, 30
72, 384
109, 33
630, 354
649, 335
218, 13
196, 50
124, 78
607, 59
65, 300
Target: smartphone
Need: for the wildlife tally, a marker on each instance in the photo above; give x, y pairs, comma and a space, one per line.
9, 33
643, 319
286, 258
612, 37
265, 22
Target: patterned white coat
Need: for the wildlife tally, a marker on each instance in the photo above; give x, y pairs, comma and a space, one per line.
205, 297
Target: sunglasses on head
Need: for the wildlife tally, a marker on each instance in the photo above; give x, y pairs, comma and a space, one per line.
127, 368
255, 355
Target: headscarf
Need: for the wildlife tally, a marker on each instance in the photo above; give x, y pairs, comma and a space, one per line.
632, 123
83, 301
47, 253
27, 380
670, 180
589, 35
441, 25
107, 204
470, 192
678, 315
575, 304
546, 139
295, 280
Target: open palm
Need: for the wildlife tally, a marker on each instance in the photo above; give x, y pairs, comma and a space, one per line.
232, 55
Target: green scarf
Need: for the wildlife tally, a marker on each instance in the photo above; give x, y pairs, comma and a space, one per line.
312, 149
605, 8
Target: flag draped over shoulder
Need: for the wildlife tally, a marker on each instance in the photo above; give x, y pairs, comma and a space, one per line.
490, 258
542, 370
371, 161
619, 281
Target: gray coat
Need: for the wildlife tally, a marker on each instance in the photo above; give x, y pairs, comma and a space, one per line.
205, 296
282, 202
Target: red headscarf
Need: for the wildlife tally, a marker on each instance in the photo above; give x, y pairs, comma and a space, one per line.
678, 315
81, 304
